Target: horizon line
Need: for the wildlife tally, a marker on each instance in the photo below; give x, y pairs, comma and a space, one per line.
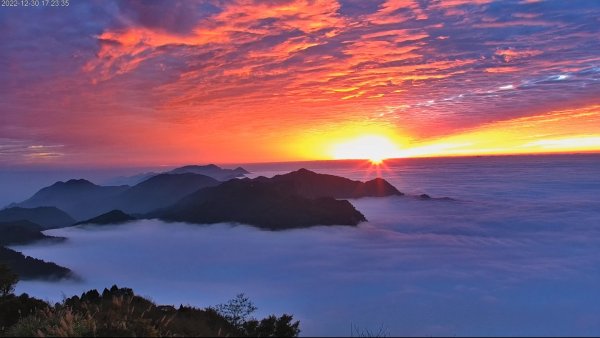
34, 166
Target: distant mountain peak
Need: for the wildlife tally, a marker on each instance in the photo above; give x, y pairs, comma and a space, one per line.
111, 217
313, 184
211, 170
195, 166
241, 170
48, 217
377, 179
302, 171
75, 183
80, 198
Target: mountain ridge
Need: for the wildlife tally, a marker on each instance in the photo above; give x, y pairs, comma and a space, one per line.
111, 217
47, 216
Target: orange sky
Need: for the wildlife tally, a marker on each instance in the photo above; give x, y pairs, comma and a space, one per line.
153, 83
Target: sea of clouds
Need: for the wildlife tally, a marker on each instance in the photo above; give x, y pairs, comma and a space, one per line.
516, 253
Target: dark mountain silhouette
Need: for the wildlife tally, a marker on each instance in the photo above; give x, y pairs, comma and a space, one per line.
25, 232
82, 199
312, 185
161, 191
297, 199
241, 170
263, 203
47, 217
22, 232
130, 180
211, 170
111, 217
31, 268
426, 197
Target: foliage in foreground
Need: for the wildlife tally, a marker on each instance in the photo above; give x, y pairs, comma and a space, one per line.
119, 312
238, 312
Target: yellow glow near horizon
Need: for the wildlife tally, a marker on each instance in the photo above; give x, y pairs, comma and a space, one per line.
374, 148
351, 140
583, 142
570, 130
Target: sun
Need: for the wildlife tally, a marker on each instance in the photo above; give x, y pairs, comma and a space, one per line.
374, 148
376, 161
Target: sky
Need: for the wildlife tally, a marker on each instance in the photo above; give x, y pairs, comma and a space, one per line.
132, 83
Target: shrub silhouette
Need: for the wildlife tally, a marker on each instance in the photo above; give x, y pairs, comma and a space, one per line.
119, 312
272, 327
13, 308
238, 312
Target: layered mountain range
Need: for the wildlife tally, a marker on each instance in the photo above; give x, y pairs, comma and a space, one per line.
297, 199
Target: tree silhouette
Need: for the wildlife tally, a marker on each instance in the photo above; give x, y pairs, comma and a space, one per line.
237, 311
8, 280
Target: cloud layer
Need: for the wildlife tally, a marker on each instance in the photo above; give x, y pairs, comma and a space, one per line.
517, 254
